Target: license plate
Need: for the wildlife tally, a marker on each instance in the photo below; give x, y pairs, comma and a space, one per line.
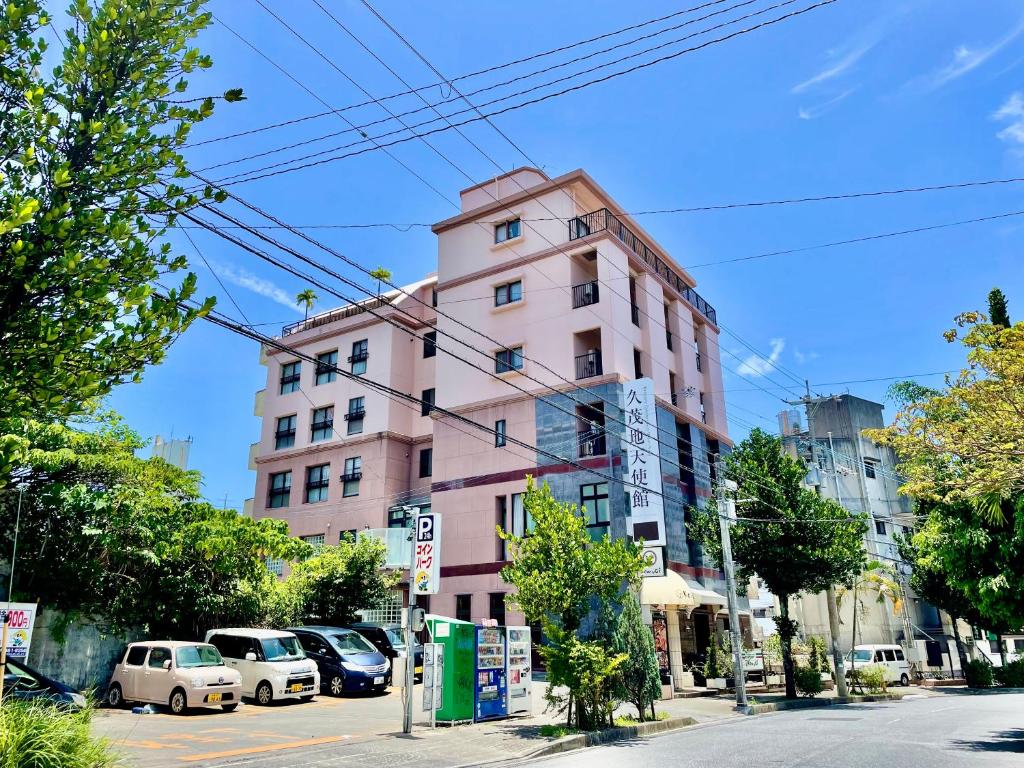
214, 698
378, 681
296, 687
419, 670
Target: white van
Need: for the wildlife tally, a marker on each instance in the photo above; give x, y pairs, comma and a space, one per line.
889, 657
272, 663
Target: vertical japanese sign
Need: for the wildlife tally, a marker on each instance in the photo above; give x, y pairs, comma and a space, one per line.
21, 620
426, 572
643, 463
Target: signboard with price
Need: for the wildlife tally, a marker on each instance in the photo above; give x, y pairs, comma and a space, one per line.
21, 619
643, 463
426, 572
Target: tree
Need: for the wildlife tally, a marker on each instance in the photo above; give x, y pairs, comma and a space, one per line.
381, 274
306, 299
91, 179
997, 313
329, 587
638, 679
877, 578
791, 538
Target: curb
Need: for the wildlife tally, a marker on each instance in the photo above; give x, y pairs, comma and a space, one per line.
782, 706
593, 738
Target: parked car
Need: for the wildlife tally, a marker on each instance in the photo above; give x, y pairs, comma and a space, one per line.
24, 683
181, 675
890, 657
347, 661
272, 663
390, 640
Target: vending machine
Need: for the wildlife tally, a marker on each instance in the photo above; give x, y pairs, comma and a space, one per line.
491, 689
519, 671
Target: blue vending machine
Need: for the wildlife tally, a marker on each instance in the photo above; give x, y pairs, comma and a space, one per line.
491, 689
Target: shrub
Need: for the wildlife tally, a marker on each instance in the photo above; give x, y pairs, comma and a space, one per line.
818, 652
808, 680
978, 674
718, 663
1010, 676
871, 677
39, 734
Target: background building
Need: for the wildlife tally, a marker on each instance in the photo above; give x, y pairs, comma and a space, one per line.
173, 451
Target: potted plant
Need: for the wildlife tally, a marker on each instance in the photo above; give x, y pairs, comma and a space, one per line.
772, 653
718, 667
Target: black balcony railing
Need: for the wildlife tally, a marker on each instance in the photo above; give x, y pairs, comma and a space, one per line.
357, 413
335, 314
359, 357
592, 443
589, 364
603, 219
349, 477
585, 294
634, 313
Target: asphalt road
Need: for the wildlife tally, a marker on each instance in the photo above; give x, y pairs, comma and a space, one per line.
954, 730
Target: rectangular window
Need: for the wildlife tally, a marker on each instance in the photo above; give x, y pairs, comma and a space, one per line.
284, 434
316, 540
506, 360
594, 504
317, 480
638, 370
290, 375
428, 402
430, 344
672, 388
326, 367
463, 607
355, 414
880, 527
703, 410
501, 524
397, 518
497, 606
507, 230
351, 535
509, 293
275, 565
522, 522
353, 474
360, 354
322, 425
280, 489
869, 468
426, 462
499, 433
433, 297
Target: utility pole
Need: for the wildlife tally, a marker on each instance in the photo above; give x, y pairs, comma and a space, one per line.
726, 516
830, 594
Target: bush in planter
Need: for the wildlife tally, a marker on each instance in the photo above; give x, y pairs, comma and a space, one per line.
871, 677
818, 653
39, 734
978, 674
718, 663
1010, 676
808, 680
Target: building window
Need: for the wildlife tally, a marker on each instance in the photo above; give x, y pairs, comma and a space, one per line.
355, 415
290, 375
322, 425
497, 605
522, 521
353, 474
326, 367
696, 351
499, 433
508, 293
427, 402
703, 410
880, 527
433, 297
360, 354
430, 344
316, 540
398, 518
275, 565
638, 370
672, 388
317, 480
280, 490
284, 434
506, 360
594, 503
507, 230
426, 462
870, 469
463, 607
351, 535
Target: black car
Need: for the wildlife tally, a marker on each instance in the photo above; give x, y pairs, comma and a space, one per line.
347, 661
390, 640
24, 683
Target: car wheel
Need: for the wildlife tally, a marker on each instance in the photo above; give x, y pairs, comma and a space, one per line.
336, 685
229, 707
178, 702
115, 698
264, 693
904, 680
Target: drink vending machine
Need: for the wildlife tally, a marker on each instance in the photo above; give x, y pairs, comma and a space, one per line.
491, 684
519, 671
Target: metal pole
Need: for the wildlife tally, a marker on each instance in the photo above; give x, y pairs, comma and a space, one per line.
433, 686
830, 598
10, 589
726, 516
410, 647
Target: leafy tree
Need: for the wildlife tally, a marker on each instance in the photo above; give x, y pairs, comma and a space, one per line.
583, 668
306, 299
88, 185
997, 313
381, 274
791, 538
329, 587
639, 679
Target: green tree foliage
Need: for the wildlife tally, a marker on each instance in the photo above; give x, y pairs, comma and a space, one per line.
817, 654
306, 299
877, 581
808, 680
997, 312
586, 671
381, 274
793, 540
90, 180
638, 680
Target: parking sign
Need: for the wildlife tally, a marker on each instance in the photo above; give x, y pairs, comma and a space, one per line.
426, 575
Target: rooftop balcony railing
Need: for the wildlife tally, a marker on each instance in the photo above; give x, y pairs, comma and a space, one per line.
602, 219
335, 315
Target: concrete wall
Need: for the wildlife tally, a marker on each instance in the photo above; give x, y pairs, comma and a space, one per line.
86, 657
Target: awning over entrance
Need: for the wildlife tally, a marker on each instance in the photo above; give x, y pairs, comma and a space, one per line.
670, 589
707, 597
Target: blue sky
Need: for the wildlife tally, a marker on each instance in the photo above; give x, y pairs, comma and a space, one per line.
858, 95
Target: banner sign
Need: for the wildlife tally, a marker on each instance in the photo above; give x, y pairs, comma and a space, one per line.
21, 619
643, 463
426, 573
654, 562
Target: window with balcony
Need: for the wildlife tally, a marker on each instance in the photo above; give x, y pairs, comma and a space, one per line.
353, 474
703, 410
506, 360
430, 344
322, 424
317, 480
360, 354
586, 347
499, 433
507, 230
426, 462
509, 293
585, 294
354, 416
326, 367
284, 433
290, 376
279, 490
590, 430
594, 504
427, 402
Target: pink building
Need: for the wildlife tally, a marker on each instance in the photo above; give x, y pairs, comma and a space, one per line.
556, 301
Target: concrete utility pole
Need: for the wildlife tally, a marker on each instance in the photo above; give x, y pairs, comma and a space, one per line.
726, 516
830, 594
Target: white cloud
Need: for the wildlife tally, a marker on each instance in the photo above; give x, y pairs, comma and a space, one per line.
803, 357
966, 59
834, 71
756, 366
1012, 112
811, 113
245, 279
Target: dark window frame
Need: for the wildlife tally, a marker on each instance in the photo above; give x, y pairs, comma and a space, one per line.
430, 344
281, 436
507, 230
596, 497
508, 360
291, 377
355, 415
325, 426
360, 354
503, 294
321, 483
279, 493
464, 607
500, 433
326, 370
351, 476
428, 401
426, 461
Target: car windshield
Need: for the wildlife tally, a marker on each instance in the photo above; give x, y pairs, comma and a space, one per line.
395, 638
198, 656
282, 649
860, 655
351, 642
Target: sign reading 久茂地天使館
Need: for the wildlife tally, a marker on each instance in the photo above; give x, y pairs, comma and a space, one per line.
643, 463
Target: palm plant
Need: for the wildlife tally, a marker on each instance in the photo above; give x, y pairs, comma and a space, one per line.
306, 299
878, 578
381, 274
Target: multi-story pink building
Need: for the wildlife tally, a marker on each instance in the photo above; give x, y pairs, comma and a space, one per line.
555, 300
